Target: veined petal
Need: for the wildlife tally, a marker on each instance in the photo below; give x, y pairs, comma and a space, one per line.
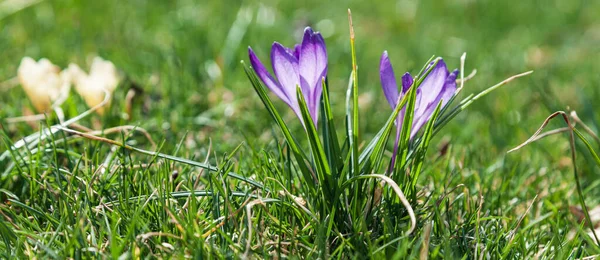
297, 51
448, 90
388, 80
434, 82
431, 87
313, 97
285, 66
422, 114
266, 77
312, 93
293, 51
312, 57
418, 113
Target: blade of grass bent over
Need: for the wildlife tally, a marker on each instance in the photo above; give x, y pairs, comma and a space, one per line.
572, 134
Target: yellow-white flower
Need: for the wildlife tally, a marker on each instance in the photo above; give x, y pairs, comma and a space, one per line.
103, 78
43, 83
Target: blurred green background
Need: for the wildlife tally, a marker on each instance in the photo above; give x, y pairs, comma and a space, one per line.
185, 56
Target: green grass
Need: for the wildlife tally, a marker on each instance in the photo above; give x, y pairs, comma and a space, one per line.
78, 197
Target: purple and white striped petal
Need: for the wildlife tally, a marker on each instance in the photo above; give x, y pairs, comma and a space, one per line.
297, 51
313, 68
431, 87
434, 82
285, 66
312, 57
293, 51
448, 90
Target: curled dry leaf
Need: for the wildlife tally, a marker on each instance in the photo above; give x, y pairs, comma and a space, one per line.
43, 83
103, 78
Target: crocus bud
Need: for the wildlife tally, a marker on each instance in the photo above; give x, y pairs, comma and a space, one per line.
43, 83
103, 78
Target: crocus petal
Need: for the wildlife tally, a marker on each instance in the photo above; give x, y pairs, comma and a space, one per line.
313, 99
433, 83
448, 90
420, 120
388, 80
407, 81
42, 83
297, 51
431, 87
266, 77
102, 79
313, 68
294, 51
312, 57
105, 72
285, 66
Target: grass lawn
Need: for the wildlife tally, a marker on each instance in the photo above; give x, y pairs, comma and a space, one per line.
188, 161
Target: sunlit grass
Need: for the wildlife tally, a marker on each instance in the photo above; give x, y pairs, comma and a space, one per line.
195, 166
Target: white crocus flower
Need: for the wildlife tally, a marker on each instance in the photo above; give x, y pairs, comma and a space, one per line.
103, 78
43, 83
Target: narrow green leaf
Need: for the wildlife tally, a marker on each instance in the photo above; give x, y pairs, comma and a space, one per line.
406, 127
354, 122
332, 146
588, 145
7, 234
35, 212
466, 102
323, 170
424, 144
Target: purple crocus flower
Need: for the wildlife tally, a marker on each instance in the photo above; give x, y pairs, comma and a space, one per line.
439, 85
304, 66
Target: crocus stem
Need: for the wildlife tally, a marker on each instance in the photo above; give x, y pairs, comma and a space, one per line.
393, 162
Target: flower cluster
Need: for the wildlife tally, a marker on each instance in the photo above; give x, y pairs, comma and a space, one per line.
305, 66
47, 86
438, 86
